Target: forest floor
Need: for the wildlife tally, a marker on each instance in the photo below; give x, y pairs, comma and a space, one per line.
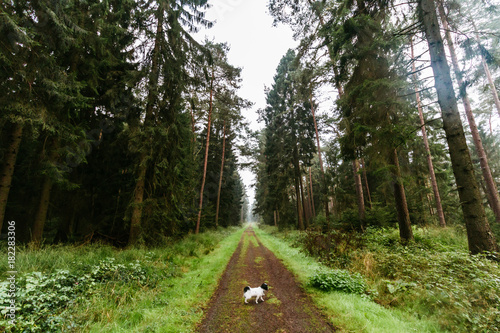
286, 307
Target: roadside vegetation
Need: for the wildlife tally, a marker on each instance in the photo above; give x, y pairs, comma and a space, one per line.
97, 288
370, 282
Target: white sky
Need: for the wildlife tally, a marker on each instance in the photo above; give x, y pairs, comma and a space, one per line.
256, 46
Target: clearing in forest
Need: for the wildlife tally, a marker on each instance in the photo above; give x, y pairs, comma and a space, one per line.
286, 307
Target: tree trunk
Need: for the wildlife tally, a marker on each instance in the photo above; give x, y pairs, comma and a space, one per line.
480, 237
491, 188
10, 158
43, 206
405, 231
359, 192
193, 125
435, 190
311, 192
365, 178
488, 74
41, 215
221, 174
324, 186
135, 220
209, 122
297, 187
137, 205
303, 200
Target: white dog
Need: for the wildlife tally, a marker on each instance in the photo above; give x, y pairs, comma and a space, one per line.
251, 292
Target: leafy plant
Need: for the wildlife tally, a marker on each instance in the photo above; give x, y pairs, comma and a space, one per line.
339, 280
42, 298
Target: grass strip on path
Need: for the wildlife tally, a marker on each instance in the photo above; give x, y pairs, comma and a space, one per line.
350, 312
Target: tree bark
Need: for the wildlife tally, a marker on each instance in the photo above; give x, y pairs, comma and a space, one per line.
41, 215
209, 122
297, 187
193, 127
359, 192
430, 165
365, 178
324, 186
8, 168
405, 231
43, 206
480, 237
136, 217
221, 174
303, 200
311, 192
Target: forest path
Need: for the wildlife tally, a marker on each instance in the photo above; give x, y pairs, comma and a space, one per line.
286, 307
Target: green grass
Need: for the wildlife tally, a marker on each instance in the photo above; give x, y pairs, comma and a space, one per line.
102, 289
349, 312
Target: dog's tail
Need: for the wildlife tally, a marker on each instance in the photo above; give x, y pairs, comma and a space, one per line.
246, 289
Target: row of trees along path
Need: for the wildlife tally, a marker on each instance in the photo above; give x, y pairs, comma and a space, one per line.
117, 124
365, 50
105, 110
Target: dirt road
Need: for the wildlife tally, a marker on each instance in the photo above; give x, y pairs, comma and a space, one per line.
286, 307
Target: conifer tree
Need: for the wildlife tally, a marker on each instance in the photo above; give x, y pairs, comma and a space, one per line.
289, 138
166, 78
370, 103
479, 234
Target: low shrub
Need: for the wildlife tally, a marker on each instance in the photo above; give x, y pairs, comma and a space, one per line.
57, 280
434, 276
339, 280
41, 298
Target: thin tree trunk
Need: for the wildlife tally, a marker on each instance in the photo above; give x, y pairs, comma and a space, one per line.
10, 158
405, 231
303, 200
136, 216
430, 165
297, 188
221, 174
324, 186
480, 237
43, 206
365, 178
193, 128
209, 122
41, 214
275, 222
311, 192
488, 73
359, 192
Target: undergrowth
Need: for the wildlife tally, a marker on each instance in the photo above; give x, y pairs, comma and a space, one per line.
433, 277
69, 288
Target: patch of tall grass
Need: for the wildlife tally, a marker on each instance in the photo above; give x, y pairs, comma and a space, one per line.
349, 312
96, 288
433, 277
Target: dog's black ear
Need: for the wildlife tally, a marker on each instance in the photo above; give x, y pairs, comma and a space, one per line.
264, 286
246, 289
